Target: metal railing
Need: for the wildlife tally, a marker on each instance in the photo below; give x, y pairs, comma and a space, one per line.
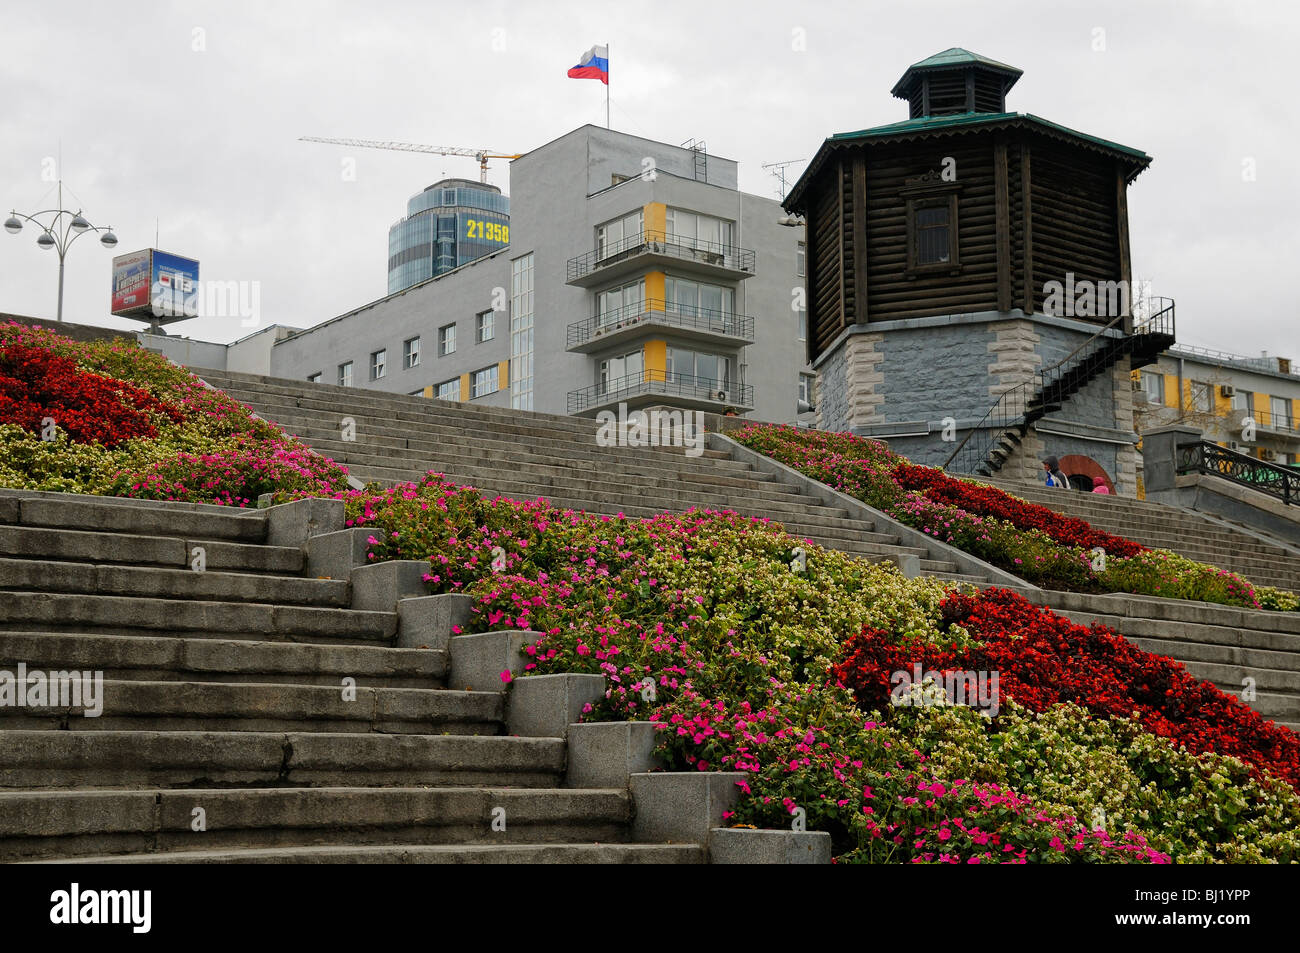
731, 257
1020, 405
1274, 479
653, 311
667, 383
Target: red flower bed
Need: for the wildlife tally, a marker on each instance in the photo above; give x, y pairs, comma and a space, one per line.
1043, 659
36, 383
987, 501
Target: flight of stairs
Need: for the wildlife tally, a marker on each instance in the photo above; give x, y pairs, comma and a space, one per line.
1160, 526
226, 730
525, 455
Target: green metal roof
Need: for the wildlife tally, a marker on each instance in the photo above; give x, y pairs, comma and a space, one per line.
940, 124
956, 56
931, 123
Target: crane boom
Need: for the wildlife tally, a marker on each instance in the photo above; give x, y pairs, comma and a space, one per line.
481, 154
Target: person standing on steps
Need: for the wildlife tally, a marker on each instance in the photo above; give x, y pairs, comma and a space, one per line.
1054, 476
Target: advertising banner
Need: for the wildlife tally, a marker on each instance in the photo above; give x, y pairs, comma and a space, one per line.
132, 278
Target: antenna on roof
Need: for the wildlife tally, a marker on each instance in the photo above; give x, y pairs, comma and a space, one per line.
777, 170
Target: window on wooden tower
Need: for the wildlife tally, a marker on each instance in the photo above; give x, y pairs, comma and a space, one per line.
932, 232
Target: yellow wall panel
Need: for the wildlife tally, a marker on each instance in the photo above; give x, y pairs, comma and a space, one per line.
503, 374
1171, 390
654, 218
464, 387
654, 286
656, 360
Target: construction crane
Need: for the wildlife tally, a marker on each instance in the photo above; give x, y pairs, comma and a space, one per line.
481, 154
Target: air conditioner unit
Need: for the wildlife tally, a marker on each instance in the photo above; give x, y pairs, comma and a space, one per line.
1270, 455
722, 395
1227, 390
1140, 398
1233, 445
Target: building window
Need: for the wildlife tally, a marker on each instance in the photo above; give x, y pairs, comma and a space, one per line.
483, 326
1153, 385
801, 318
448, 390
1280, 412
801, 259
619, 372
345, 374
806, 388
483, 382
696, 299
378, 359
446, 340
1243, 400
521, 333
620, 234
1202, 397
411, 353
619, 304
932, 231
700, 231
314, 378
697, 367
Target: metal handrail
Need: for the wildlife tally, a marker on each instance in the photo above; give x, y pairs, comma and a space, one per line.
1260, 475
1160, 321
667, 383
660, 243
655, 311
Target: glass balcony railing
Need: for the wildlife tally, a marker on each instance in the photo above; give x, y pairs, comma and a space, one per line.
700, 322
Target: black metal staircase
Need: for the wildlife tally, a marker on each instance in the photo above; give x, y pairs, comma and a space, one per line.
992, 441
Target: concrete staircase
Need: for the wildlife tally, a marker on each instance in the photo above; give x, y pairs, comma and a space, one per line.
227, 731
525, 455
1192, 534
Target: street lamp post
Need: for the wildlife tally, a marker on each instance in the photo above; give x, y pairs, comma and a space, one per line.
60, 233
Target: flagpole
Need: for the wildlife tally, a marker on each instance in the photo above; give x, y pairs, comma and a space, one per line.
607, 84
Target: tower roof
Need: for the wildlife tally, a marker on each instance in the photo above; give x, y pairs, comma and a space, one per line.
953, 58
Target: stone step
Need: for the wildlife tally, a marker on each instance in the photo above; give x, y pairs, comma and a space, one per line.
158, 824
610, 501
253, 706
1278, 628
132, 615
137, 517
155, 658
586, 478
1190, 649
236, 384
492, 443
115, 547
162, 583
428, 854
81, 760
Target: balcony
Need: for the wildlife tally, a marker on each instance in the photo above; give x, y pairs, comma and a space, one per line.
1268, 424
632, 321
641, 251
657, 387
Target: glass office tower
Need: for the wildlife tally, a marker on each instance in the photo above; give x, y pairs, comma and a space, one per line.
449, 224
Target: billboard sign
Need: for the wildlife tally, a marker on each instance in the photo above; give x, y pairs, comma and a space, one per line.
155, 284
132, 278
174, 286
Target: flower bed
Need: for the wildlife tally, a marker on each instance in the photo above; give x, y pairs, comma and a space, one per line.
1034, 542
127, 422
698, 624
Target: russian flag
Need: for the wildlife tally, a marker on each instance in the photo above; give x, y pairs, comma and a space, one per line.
593, 65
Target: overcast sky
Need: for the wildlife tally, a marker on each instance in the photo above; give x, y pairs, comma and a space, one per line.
188, 113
